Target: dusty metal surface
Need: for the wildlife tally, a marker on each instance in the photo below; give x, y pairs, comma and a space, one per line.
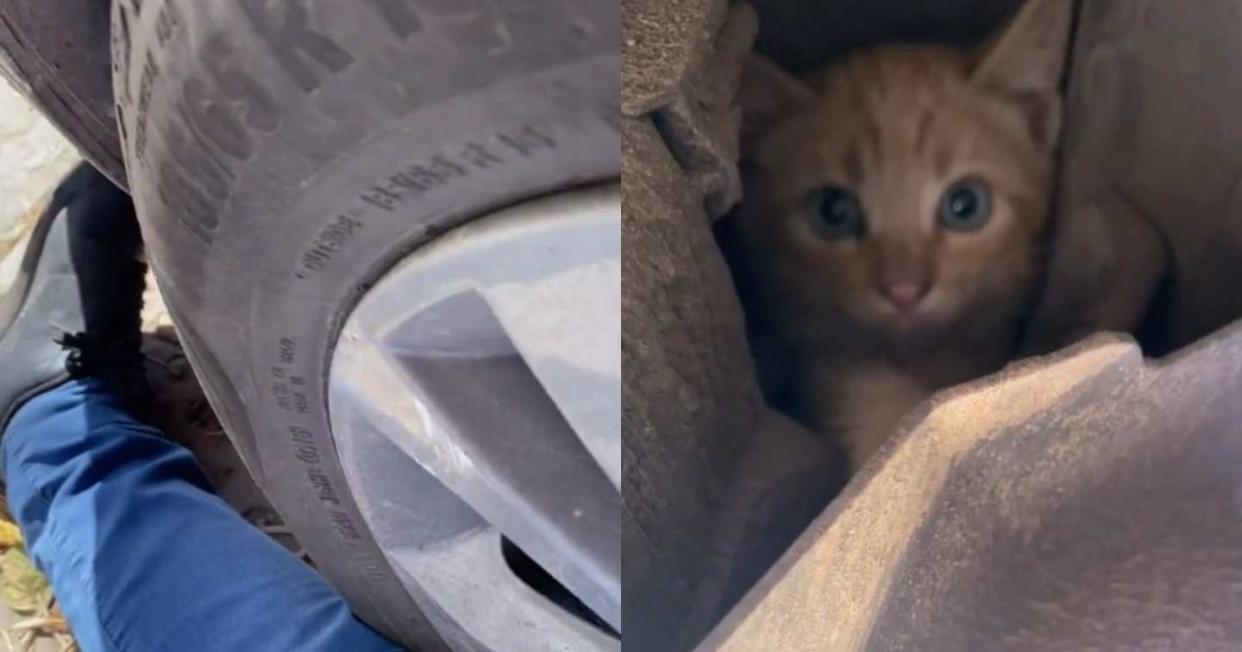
663, 44
682, 337
715, 485
1148, 237
825, 592
1086, 501
688, 90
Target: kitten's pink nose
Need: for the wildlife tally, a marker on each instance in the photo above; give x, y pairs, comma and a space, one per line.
905, 295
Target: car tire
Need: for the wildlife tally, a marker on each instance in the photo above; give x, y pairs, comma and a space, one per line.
284, 155
62, 67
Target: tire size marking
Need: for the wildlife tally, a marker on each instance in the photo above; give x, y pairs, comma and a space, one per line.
441, 170
288, 393
306, 449
413, 180
307, 452
329, 240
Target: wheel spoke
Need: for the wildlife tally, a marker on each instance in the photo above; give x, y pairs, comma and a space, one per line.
493, 362
473, 584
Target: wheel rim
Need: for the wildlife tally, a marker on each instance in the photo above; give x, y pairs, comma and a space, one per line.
474, 398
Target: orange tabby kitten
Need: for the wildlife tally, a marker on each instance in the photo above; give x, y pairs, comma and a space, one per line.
895, 206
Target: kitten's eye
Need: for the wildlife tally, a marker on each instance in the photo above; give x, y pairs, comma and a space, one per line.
965, 206
838, 213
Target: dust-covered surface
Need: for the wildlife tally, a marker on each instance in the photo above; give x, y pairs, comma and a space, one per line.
664, 41
33, 157
699, 528
1148, 234
1085, 501
827, 590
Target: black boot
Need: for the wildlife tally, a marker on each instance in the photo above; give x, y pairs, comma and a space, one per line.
74, 309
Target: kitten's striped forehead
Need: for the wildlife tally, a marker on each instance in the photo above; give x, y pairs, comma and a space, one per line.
893, 99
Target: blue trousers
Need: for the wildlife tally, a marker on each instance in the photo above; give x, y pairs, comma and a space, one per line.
139, 551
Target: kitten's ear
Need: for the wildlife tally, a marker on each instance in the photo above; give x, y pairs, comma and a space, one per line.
1026, 61
768, 95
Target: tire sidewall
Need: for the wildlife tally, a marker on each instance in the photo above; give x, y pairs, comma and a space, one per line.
261, 258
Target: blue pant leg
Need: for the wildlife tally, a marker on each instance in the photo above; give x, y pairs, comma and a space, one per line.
139, 551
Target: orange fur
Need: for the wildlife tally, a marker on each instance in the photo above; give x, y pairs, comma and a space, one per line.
897, 126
